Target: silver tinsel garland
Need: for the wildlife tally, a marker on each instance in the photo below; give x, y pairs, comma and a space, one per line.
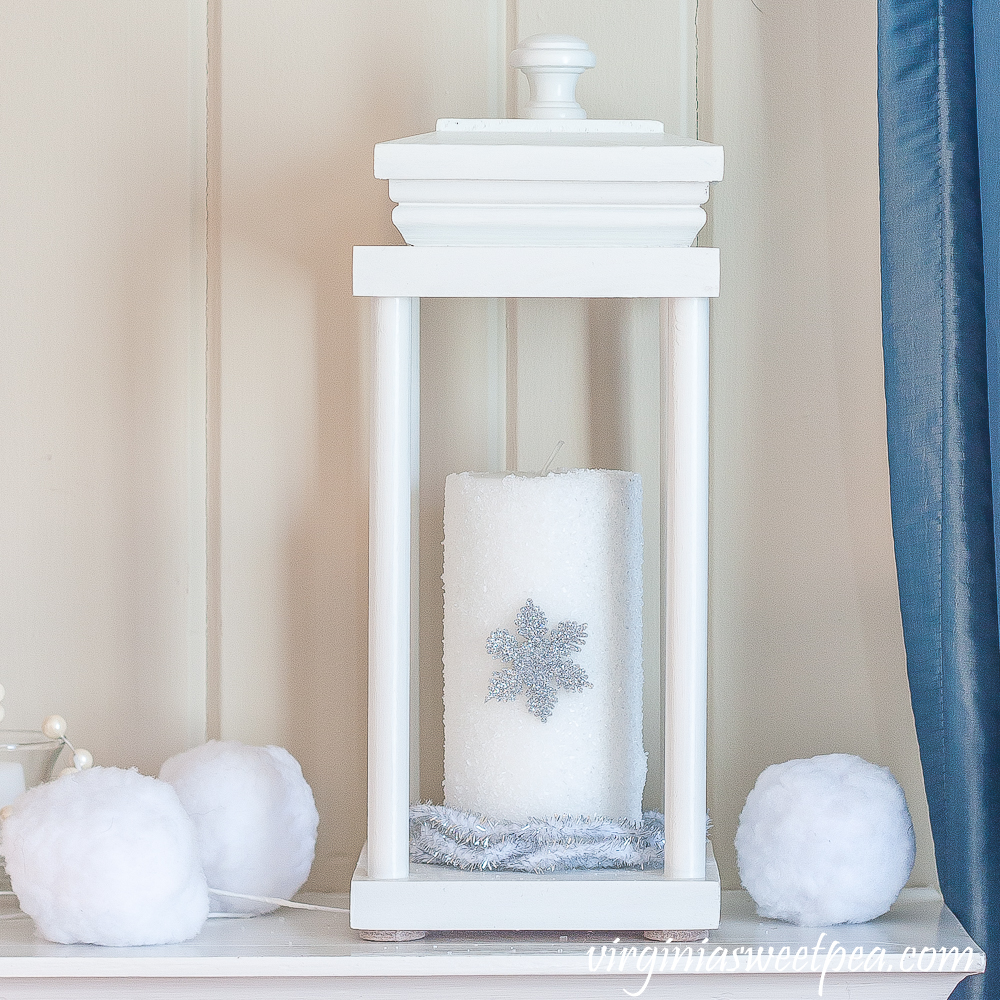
443, 836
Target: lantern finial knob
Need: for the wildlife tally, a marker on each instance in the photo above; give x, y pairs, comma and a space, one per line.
552, 64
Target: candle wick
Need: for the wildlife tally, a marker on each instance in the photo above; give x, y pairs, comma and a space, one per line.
552, 458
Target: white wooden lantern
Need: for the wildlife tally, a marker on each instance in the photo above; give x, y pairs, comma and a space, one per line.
554, 205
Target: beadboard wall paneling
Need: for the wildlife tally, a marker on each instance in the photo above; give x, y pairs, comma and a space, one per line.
308, 87
806, 640
161, 472
102, 304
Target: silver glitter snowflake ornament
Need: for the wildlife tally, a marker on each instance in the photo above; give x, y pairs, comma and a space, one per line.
539, 663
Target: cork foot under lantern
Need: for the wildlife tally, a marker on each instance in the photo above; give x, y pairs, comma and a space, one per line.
542, 571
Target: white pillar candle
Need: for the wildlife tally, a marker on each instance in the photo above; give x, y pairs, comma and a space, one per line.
11, 781
571, 542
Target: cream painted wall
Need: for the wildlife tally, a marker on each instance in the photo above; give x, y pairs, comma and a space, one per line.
102, 304
158, 367
308, 87
806, 639
306, 90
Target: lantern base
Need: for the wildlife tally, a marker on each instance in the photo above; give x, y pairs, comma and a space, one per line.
434, 897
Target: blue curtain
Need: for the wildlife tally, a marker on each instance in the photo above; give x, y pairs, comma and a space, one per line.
939, 84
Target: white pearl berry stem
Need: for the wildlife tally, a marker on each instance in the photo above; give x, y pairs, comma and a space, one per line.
83, 759
54, 727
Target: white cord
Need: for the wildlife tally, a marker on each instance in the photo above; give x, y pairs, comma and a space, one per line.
218, 916
279, 902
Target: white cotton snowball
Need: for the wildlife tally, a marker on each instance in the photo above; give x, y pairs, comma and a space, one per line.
825, 841
106, 856
255, 817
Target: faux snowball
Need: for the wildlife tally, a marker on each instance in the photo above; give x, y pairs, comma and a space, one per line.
825, 841
255, 817
106, 856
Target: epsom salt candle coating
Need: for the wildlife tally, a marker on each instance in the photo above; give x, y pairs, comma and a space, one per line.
571, 543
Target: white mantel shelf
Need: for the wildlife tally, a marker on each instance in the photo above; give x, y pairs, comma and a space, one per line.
303, 954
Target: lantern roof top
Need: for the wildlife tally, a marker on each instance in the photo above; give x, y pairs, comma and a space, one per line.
554, 149
553, 177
